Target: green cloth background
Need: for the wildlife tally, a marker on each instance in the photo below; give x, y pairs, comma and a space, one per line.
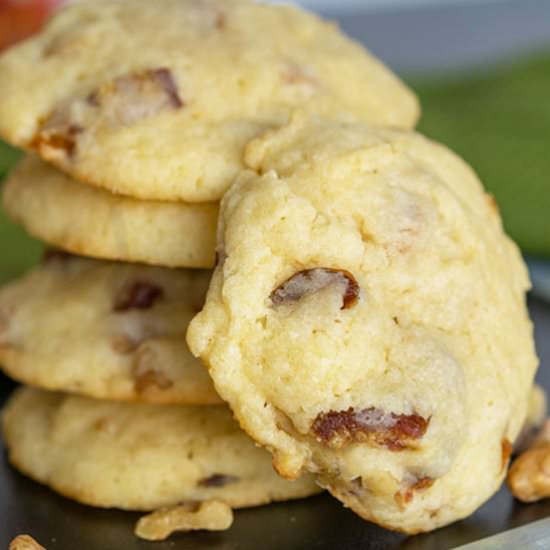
498, 121
18, 250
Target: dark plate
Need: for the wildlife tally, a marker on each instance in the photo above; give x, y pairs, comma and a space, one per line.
315, 523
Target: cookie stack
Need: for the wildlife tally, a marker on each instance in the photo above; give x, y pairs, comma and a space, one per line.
365, 320
133, 135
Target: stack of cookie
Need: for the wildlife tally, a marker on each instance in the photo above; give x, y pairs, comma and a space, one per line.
366, 317
135, 116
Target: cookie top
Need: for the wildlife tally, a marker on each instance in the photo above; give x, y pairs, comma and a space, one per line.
94, 91
368, 321
137, 456
107, 330
90, 221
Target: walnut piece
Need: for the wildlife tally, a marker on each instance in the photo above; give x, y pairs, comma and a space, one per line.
25, 542
138, 295
396, 432
143, 381
57, 136
122, 101
405, 497
136, 96
212, 515
218, 480
529, 476
146, 373
309, 281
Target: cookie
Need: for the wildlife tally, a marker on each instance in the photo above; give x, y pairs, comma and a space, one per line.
156, 100
136, 456
367, 320
106, 330
84, 220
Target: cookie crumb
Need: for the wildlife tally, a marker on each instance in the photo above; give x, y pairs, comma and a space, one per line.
212, 515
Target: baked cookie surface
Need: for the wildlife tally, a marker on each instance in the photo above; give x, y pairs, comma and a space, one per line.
107, 330
137, 456
84, 220
94, 91
367, 321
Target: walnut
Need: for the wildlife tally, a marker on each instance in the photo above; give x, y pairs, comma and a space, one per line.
529, 476
136, 96
122, 101
212, 515
137, 295
57, 135
25, 542
146, 373
404, 497
396, 432
309, 281
218, 480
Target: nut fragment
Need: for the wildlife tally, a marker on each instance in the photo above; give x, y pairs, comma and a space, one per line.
418, 486
25, 542
138, 295
146, 373
309, 281
218, 480
529, 475
136, 96
397, 432
122, 101
57, 136
212, 515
